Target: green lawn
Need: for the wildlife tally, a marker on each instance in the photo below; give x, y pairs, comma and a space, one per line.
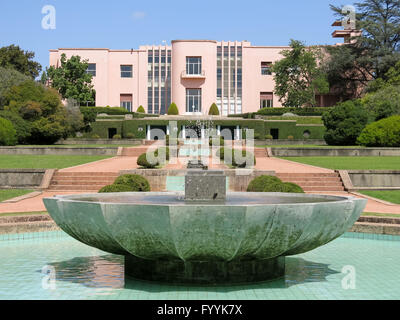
7, 194
306, 146
21, 214
351, 163
385, 215
392, 196
79, 146
44, 161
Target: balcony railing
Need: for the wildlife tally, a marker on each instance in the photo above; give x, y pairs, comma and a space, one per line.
201, 75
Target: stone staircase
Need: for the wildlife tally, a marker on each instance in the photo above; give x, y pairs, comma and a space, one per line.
81, 181
314, 182
133, 152
260, 152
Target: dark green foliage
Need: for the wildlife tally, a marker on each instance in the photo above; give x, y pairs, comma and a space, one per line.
344, 123
71, 80
272, 184
8, 79
41, 108
137, 183
23, 128
297, 76
213, 110
7, 133
144, 163
141, 110
117, 137
258, 184
383, 133
384, 102
173, 110
130, 136
13, 57
317, 111
116, 188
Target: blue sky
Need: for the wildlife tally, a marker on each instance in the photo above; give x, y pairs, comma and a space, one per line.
126, 24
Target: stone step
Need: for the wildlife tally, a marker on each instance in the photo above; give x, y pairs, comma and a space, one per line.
87, 179
133, 152
327, 188
376, 228
80, 182
317, 184
309, 175
89, 188
84, 174
315, 179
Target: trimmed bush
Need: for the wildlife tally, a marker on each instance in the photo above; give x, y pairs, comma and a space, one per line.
142, 162
141, 110
344, 123
8, 135
117, 137
130, 135
135, 182
173, 110
115, 188
95, 136
213, 110
272, 184
383, 133
317, 111
269, 137
258, 184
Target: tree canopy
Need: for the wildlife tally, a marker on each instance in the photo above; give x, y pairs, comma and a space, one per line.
71, 80
298, 78
369, 56
13, 57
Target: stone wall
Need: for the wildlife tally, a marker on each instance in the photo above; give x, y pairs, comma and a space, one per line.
370, 179
21, 178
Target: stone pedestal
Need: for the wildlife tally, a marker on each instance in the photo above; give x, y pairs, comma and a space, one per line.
209, 186
204, 272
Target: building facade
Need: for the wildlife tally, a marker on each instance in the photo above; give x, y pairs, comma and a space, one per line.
194, 74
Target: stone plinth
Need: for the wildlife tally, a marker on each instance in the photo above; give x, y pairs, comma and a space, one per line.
207, 186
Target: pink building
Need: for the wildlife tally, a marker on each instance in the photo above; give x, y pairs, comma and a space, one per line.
192, 73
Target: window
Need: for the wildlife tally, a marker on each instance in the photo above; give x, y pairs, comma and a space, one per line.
193, 100
126, 101
266, 100
193, 65
91, 69
266, 68
126, 71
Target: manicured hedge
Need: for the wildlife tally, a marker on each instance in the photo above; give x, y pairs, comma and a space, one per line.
272, 184
128, 183
383, 133
318, 111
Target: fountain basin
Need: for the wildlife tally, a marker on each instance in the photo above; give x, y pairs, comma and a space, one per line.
164, 238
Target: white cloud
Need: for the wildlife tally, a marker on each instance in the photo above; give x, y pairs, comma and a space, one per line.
137, 15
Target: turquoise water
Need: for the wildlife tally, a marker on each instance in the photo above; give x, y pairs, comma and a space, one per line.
82, 272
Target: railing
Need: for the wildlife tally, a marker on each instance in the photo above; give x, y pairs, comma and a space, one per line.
201, 75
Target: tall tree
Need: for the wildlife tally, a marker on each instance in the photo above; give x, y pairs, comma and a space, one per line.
13, 57
298, 79
370, 55
72, 80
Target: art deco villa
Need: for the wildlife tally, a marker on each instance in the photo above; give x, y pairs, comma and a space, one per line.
192, 73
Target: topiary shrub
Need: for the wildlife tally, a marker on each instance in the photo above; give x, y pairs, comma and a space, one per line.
142, 162
141, 110
214, 111
272, 184
95, 136
260, 183
383, 133
8, 135
117, 137
269, 137
130, 135
116, 188
135, 182
173, 110
344, 123
290, 137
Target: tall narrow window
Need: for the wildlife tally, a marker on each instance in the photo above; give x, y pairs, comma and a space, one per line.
193, 100
193, 65
266, 100
266, 68
126, 101
91, 69
126, 71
